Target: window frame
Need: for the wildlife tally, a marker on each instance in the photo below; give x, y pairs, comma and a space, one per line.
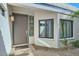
66, 27
31, 25
46, 28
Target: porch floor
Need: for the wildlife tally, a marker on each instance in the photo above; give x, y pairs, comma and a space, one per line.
43, 51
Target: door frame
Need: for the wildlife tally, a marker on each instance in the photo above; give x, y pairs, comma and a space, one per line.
13, 22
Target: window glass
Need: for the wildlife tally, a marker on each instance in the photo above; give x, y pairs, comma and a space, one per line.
49, 28
42, 29
31, 25
46, 28
66, 29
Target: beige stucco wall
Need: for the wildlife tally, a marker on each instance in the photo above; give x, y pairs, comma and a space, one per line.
75, 25
67, 17
75, 28
39, 15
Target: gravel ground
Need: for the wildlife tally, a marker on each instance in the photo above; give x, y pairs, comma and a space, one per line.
43, 51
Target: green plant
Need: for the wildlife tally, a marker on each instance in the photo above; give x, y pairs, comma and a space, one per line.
75, 14
76, 43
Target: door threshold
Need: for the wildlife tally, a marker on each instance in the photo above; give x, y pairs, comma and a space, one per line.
15, 45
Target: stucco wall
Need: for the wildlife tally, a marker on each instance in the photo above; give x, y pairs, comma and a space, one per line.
67, 17
75, 27
2, 46
39, 15
43, 14
5, 32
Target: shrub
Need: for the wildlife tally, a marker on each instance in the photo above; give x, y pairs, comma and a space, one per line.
65, 42
76, 43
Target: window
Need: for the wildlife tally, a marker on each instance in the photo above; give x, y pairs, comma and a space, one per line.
31, 25
2, 10
66, 29
46, 28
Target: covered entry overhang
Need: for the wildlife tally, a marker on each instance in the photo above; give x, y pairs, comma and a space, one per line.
19, 26
54, 7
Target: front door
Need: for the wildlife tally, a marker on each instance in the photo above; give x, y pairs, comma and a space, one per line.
20, 29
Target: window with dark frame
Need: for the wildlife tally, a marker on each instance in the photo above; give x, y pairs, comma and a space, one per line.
66, 28
2, 11
31, 25
46, 28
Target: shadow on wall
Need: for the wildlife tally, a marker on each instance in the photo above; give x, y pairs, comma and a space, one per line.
2, 46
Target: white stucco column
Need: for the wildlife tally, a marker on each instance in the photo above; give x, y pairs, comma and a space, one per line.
56, 31
6, 44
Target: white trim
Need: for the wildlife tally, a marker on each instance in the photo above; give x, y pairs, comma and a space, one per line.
71, 38
35, 6
28, 29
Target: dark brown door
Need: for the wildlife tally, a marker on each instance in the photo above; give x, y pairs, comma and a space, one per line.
20, 29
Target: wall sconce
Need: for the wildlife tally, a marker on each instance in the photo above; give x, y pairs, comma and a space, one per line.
12, 18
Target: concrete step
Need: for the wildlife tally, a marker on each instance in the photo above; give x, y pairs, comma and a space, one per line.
21, 49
